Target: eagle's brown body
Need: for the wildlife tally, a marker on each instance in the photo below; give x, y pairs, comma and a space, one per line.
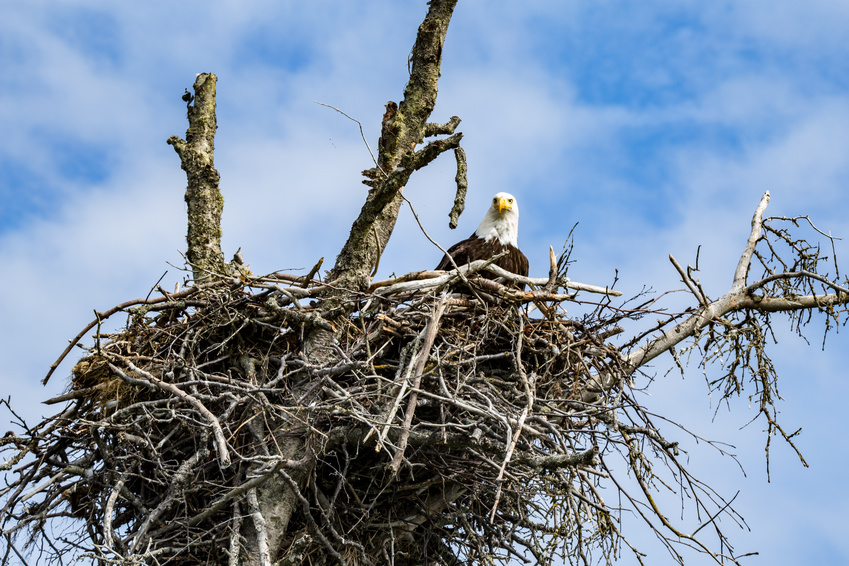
498, 232
474, 248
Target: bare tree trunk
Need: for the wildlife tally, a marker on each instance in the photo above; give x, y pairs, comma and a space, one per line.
273, 503
404, 128
203, 196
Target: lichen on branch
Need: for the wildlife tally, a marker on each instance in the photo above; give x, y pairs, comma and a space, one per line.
203, 197
404, 127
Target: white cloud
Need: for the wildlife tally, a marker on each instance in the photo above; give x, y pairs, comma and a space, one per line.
817, 24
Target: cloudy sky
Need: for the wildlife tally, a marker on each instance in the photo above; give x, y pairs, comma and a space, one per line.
656, 126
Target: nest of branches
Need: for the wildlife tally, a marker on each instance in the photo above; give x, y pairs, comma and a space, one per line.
436, 418
449, 426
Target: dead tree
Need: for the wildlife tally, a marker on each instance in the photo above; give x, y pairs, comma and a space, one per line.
433, 418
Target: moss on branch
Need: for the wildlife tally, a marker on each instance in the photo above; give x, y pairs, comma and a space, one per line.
203, 197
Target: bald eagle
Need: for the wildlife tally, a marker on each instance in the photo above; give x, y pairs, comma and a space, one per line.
498, 231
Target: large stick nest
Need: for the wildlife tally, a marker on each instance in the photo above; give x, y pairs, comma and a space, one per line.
454, 426
449, 421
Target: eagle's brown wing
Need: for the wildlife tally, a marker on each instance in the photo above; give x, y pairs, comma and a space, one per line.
474, 248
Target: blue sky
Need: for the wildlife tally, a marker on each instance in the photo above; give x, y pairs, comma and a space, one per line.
655, 125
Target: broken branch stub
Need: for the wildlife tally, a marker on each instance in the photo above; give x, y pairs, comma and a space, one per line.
203, 197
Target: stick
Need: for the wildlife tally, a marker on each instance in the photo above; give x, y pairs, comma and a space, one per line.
430, 336
688, 282
746, 258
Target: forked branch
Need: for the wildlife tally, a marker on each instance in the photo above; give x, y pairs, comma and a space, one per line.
739, 298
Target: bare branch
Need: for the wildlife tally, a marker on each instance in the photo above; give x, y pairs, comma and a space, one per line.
746, 258
736, 299
462, 187
689, 282
402, 131
429, 336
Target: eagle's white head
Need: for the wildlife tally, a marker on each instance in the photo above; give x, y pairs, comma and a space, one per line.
501, 221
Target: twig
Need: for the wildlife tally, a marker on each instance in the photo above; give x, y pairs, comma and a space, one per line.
312, 273
109, 510
443, 250
235, 536
551, 285
362, 133
687, 281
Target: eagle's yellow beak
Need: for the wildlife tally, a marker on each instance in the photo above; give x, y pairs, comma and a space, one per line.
504, 203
